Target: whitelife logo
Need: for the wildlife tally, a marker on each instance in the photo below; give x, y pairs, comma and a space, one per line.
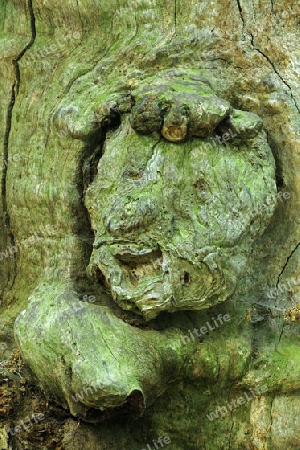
11, 249
161, 441
204, 330
223, 410
23, 426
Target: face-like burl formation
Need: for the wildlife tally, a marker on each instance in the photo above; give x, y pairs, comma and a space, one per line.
175, 211
175, 205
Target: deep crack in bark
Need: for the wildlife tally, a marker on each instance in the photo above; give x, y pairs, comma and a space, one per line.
277, 283
286, 263
230, 431
241, 11
275, 70
14, 92
271, 417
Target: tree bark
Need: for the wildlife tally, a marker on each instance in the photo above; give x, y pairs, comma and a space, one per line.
69, 72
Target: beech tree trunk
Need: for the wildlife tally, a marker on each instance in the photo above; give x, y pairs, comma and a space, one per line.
63, 66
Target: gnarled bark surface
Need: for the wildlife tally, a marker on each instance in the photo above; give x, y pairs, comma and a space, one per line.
150, 163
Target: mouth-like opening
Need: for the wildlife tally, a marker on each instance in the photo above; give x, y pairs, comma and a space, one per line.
134, 258
138, 266
133, 275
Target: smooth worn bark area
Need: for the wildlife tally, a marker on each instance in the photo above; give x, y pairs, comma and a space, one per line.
149, 225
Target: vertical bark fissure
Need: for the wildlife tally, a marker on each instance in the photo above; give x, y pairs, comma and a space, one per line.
79, 16
278, 281
281, 272
276, 71
175, 14
254, 344
14, 92
241, 11
271, 417
230, 431
286, 263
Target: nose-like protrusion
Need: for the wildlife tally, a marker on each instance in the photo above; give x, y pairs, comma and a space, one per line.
127, 214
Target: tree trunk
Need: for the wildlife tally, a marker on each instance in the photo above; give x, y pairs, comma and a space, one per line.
123, 122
